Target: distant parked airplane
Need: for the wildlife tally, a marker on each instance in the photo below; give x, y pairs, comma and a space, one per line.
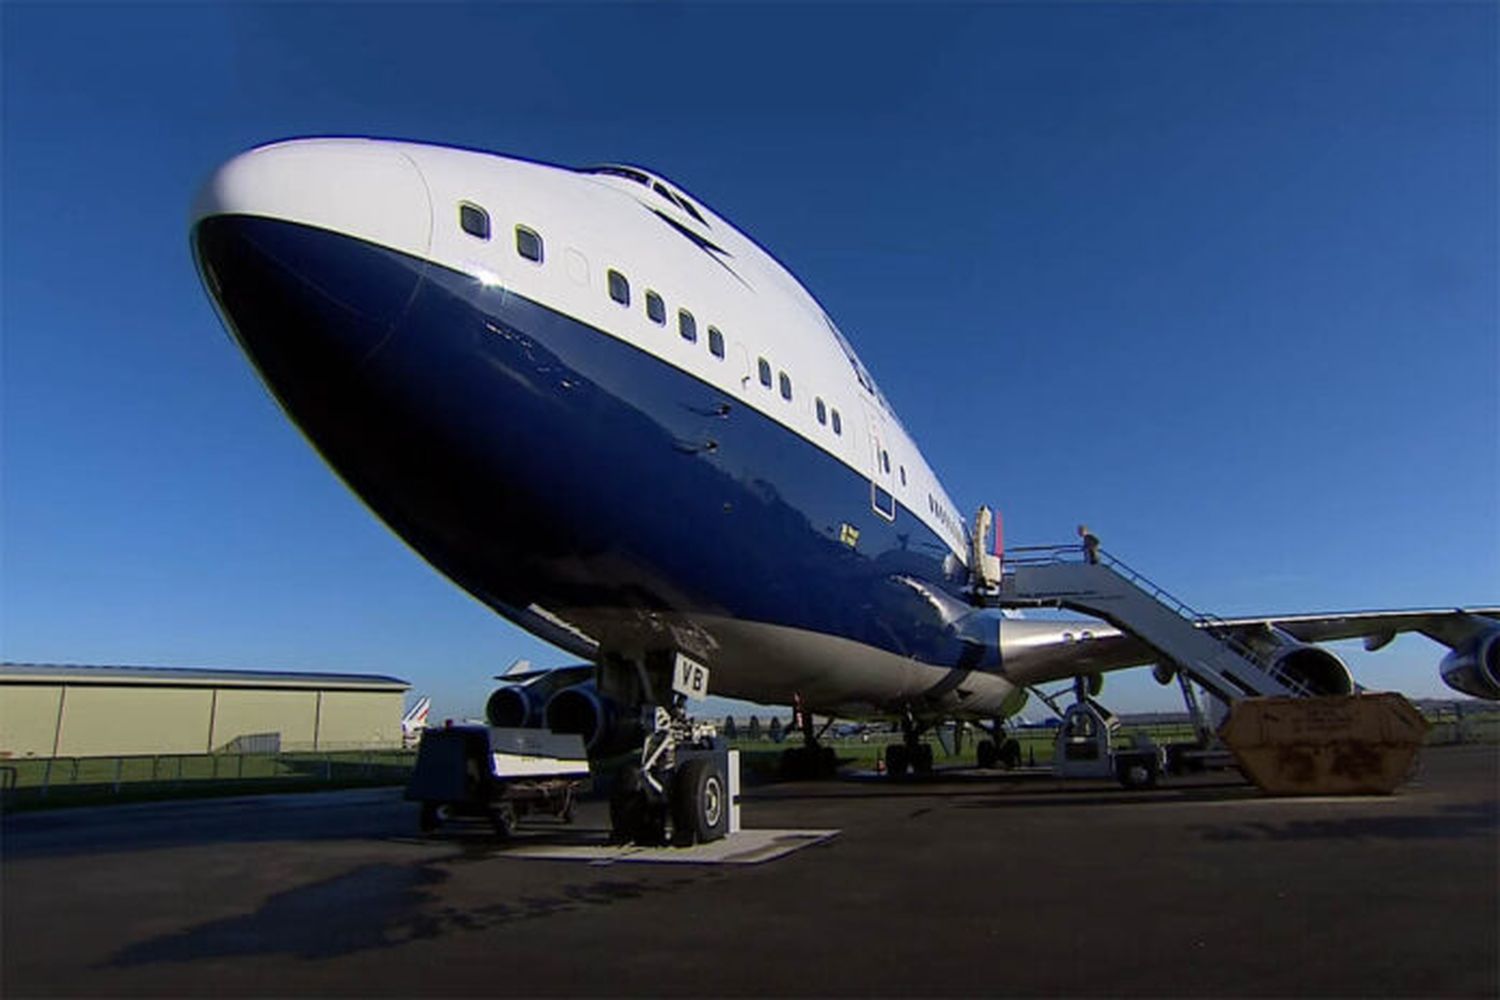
606, 412
414, 721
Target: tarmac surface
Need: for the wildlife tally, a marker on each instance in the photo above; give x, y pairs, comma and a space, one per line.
967, 884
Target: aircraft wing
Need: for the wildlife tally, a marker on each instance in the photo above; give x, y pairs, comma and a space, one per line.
1450, 626
1038, 652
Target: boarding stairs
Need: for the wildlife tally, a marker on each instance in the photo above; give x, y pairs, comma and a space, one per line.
1095, 583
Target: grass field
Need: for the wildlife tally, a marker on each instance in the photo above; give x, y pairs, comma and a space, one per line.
40, 782
85, 780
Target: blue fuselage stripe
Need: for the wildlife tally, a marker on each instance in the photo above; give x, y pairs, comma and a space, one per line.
537, 460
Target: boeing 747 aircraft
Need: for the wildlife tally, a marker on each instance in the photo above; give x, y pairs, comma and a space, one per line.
605, 412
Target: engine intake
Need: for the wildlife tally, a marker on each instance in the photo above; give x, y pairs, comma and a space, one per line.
606, 727
1474, 667
513, 707
1312, 667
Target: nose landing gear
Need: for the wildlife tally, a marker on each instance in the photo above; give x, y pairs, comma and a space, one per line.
678, 791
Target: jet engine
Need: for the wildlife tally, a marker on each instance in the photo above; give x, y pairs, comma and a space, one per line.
1313, 667
1474, 666
515, 706
607, 727
523, 703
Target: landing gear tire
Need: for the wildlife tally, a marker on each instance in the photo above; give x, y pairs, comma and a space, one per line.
806, 763
700, 802
796, 764
986, 754
1137, 773
503, 819
921, 758
429, 820
896, 760
633, 817
1010, 754
828, 762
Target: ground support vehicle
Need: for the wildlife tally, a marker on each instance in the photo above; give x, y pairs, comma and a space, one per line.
496, 773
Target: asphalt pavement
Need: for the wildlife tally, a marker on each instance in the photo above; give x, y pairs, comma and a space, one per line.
966, 884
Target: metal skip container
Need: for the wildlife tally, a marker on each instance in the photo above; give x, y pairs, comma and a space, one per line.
1359, 744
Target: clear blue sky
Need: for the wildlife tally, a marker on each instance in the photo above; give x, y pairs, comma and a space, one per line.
1219, 280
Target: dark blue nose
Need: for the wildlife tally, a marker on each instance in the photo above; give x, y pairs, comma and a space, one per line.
309, 306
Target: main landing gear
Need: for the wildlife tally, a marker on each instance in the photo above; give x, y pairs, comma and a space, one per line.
677, 791
911, 753
999, 750
812, 760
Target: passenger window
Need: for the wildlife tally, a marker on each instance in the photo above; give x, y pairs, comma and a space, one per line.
474, 220
786, 387
687, 326
764, 368
822, 412
528, 244
885, 461
838, 425
655, 309
903, 475
619, 288
715, 342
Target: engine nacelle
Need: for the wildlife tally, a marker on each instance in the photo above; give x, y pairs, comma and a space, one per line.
605, 725
1313, 667
1474, 667
515, 706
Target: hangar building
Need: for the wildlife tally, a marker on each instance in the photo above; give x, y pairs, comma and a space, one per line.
49, 710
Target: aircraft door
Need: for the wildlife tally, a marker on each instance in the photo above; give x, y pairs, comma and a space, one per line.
741, 356
882, 480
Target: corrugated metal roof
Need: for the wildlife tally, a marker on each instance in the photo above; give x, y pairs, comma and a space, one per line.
75, 673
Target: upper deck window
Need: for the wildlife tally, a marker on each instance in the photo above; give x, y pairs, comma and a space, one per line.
474, 220
655, 308
619, 288
628, 173
687, 326
763, 368
715, 342
528, 244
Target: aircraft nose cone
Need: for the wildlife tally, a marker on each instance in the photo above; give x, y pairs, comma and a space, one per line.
313, 252
363, 188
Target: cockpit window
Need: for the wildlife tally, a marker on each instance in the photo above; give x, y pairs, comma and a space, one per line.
715, 342
687, 206
786, 387
474, 220
626, 172
655, 308
686, 325
763, 368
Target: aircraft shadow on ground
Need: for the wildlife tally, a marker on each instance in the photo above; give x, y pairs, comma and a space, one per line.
1002, 791
378, 906
1450, 822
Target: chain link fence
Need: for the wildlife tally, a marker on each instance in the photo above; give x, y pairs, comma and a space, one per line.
78, 780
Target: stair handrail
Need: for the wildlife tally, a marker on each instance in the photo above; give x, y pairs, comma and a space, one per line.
1044, 555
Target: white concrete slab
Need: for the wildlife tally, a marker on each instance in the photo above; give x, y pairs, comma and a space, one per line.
748, 847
